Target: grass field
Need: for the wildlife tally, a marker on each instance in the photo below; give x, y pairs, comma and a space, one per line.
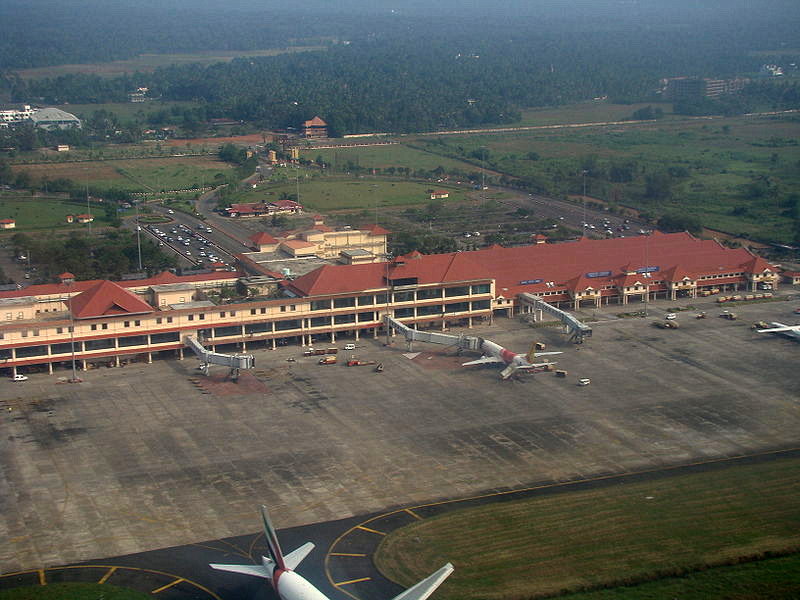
776, 579
609, 534
149, 62
720, 158
71, 591
383, 157
139, 175
329, 193
41, 213
584, 112
125, 111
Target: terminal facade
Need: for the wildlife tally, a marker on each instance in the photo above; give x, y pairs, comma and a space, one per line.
106, 323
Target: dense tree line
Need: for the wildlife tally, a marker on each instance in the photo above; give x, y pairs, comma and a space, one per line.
105, 256
408, 73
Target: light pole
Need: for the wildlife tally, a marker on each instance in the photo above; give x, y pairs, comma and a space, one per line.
138, 235
72, 334
584, 199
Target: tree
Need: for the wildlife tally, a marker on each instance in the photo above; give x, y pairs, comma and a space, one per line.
658, 186
674, 222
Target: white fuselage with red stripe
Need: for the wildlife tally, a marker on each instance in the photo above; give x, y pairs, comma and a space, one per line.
507, 356
291, 586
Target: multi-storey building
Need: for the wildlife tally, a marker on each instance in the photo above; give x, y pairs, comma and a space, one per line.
103, 322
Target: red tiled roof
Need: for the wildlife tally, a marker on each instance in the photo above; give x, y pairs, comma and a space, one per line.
6, 221
340, 279
66, 275
315, 122
297, 244
262, 237
285, 203
377, 230
104, 299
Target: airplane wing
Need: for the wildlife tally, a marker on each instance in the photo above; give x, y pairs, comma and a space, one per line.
295, 557
255, 570
483, 360
427, 586
777, 329
547, 353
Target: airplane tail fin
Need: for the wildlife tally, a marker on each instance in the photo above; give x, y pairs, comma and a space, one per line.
427, 586
272, 540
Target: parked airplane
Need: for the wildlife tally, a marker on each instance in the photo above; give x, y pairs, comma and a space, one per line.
789, 330
279, 569
494, 353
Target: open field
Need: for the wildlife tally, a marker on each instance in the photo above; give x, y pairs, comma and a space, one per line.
584, 112
150, 62
125, 111
594, 537
383, 157
775, 578
47, 213
719, 158
330, 194
139, 175
72, 591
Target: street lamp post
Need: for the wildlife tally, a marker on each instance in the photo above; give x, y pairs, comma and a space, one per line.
584, 199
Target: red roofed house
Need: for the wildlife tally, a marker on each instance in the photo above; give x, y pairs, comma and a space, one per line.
7, 223
84, 218
439, 194
263, 242
315, 128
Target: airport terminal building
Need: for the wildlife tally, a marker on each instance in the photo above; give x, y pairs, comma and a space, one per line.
98, 323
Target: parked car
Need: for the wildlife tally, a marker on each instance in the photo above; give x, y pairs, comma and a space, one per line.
349, 346
19, 377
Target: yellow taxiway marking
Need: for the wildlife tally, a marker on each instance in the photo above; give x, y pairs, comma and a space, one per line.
353, 581
108, 574
42, 579
369, 530
412, 513
347, 554
169, 585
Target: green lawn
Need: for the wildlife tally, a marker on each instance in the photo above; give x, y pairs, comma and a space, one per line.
584, 112
134, 175
125, 111
40, 213
383, 157
71, 591
776, 579
609, 534
329, 193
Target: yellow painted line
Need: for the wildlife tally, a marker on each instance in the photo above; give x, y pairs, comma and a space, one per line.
412, 513
353, 581
369, 530
169, 585
347, 554
108, 574
42, 580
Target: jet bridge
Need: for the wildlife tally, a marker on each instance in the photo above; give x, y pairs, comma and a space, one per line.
234, 361
578, 331
462, 342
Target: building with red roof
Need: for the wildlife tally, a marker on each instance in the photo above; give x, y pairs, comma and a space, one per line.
146, 317
315, 128
7, 223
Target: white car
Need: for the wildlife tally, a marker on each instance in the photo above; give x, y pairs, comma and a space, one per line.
584, 381
170, 211
671, 316
19, 377
349, 346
